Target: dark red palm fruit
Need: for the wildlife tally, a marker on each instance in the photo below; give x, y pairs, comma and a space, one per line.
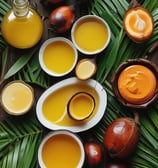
121, 137
93, 153
62, 18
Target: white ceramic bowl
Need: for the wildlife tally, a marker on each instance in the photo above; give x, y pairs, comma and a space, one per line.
90, 18
94, 87
72, 136
43, 49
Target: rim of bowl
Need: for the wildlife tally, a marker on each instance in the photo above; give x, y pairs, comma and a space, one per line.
93, 17
59, 132
22, 111
41, 51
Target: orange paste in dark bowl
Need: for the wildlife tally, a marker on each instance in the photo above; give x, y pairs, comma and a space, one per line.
135, 83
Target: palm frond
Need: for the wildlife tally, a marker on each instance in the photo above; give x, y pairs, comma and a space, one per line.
120, 49
19, 142
4, 7
26, 67
32, 73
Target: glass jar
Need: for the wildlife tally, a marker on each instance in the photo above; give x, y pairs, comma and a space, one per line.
22, 27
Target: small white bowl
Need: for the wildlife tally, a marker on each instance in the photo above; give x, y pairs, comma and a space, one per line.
61, 56
87, 20
62, 150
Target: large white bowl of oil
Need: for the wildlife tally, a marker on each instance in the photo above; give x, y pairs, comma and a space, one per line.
51, 108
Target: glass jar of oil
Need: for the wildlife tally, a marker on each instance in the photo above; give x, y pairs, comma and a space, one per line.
22, 26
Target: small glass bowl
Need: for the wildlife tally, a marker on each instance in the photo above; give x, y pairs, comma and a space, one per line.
140, 105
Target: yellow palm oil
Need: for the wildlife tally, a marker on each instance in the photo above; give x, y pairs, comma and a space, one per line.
17, 97
59, 57
55, 105
91, 35
21, 26
61, 151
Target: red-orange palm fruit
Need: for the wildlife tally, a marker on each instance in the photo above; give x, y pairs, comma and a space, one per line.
138, 22
61, 18
121, 137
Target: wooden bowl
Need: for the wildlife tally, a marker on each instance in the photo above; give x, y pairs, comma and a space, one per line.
141, 103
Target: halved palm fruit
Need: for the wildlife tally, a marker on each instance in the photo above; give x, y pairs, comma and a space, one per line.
85, 69
138, 24
17, 97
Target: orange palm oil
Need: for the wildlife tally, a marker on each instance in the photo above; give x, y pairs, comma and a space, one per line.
55, 105
22, 27
61, 151
90, 35
137, 84
59, 57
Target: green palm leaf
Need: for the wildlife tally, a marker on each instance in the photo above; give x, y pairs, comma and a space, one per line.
26, 67
19, 142
32, 73
120, 49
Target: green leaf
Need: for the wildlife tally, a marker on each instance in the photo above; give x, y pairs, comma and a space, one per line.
32, 73
109, 61
23, 139
120, 49
4, 5
19, 64
4, 61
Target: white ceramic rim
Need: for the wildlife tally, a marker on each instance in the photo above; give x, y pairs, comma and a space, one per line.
94, 17
78, 128
65, 132
45, 44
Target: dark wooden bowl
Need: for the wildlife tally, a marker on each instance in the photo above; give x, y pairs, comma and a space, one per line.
114, 81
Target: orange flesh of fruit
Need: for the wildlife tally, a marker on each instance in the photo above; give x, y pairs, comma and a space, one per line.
138, 23
137, 84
